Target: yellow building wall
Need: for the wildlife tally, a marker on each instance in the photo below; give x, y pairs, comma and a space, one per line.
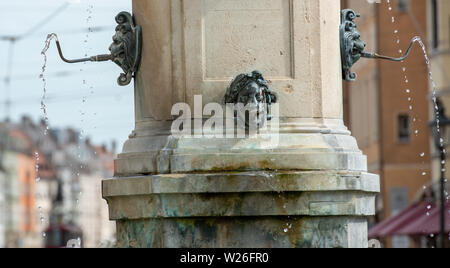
440, 64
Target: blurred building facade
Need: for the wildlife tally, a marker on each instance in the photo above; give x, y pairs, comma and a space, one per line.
387, 108
21, 216
439, 44
94, 216
51, 180
2, 202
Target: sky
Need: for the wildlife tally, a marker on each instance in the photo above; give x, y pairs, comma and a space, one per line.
83, 96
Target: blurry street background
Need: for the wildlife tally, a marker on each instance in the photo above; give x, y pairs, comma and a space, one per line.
50, 184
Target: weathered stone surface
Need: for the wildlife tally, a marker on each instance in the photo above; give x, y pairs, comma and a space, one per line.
244, 232
249, 209
296, 145
247, 194
196, 47
312, 181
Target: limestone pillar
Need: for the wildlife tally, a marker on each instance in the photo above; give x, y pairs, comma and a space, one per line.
310, 188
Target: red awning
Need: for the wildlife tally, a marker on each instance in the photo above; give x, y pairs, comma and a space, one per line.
418, 219
63, 227
389, 226
428, 224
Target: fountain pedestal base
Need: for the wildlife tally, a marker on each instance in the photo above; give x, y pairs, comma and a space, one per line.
249, 210
300, 184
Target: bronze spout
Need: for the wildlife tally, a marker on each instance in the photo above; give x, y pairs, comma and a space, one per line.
103, 57
378, 56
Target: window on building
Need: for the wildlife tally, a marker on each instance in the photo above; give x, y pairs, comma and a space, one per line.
403, 6
404, 128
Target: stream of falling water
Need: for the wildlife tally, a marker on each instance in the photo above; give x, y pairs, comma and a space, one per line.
48, 41
90, 89
268, 178
85, 83
418, 40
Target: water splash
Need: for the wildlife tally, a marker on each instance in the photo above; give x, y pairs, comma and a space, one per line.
41, 215
418, 40
268, 178
48, 41
85, 83
74, 243
37, 158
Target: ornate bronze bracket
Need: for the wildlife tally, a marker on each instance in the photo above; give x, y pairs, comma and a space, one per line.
351, 44
352, 47
125, 49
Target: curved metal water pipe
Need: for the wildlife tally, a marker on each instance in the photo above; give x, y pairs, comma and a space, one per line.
378, 56
104, 57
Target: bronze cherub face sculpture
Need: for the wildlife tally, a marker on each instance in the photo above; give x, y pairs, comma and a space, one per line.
251, 93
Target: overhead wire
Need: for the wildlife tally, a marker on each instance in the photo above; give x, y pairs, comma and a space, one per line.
13, 39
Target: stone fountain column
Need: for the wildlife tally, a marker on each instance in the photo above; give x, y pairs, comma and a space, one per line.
302, 184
